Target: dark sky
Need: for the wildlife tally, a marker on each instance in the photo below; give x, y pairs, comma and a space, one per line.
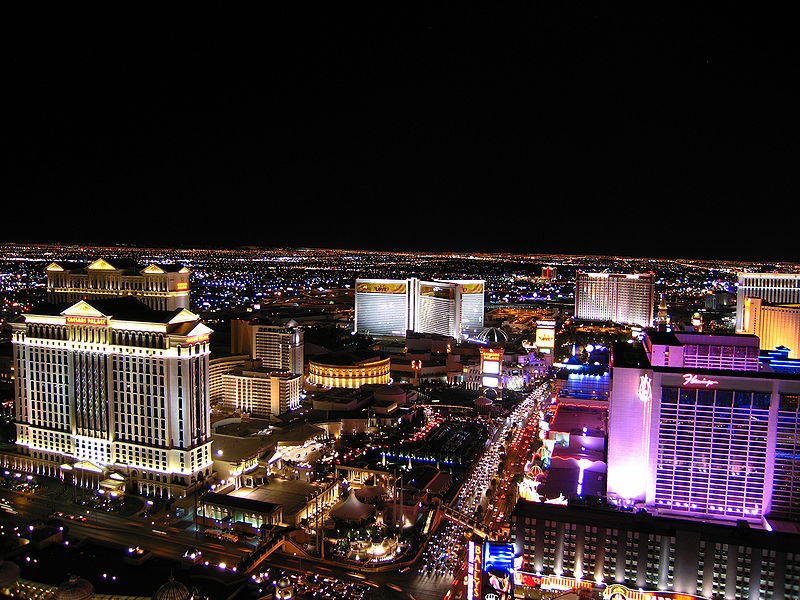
535, 129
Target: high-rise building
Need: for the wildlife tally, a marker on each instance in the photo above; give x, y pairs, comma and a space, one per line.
160, 286
620, 298
223, 365
775, 324
278, 347
392, 307
261, 392
696, 350
636, 555
704, 442
111, 390
776, 288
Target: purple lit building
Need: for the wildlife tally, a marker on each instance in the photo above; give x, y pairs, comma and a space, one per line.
716, 442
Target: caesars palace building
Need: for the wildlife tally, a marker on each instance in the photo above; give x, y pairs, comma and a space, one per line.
112, 393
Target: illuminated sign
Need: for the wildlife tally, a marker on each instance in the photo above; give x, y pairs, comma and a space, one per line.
473, 571
491, 354
645, 392
435, 291
87, 320
181, 286
491, 367
498, 571
550, 582
620, 592
197, 338
691, 379
491, 382
472, 288
381, 288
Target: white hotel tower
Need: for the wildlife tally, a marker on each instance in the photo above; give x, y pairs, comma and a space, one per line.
112, 393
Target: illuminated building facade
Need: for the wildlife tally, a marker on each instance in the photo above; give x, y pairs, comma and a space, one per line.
278, 347
340, 371
546, 335
621, 298
776, 288
391, 307
491, 367
110, 388
160, 286
703, 442
222, 365
693, 350
262, 393
774, 324
564, 547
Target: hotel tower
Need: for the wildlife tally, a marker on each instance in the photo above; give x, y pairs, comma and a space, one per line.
164, 287
112, 394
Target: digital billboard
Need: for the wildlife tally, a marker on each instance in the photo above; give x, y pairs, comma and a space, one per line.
497, 582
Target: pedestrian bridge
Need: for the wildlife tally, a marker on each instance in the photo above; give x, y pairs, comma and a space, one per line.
457, 516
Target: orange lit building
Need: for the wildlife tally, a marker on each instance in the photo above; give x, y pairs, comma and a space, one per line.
348, 371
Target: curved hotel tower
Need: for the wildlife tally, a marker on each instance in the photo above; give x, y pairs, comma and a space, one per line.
391, 307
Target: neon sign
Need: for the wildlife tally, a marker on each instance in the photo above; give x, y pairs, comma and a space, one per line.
691, 379
87, 320
617, 591
491, 355
197, 338
645, 392
181, 286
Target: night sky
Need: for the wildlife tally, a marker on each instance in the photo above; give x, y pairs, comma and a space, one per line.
535, 129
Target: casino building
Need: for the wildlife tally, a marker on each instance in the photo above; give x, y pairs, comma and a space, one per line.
391, 307
279, 347
110, 390
621, 298
775, 288
639, 556
697, 430
160, 286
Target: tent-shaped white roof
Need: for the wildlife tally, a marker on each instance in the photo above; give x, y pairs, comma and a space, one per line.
352, 509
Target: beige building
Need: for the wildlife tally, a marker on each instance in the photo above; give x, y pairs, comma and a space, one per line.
278, 347
110, 388
261, 392
159, 286
348, 371
774, 324
222, 365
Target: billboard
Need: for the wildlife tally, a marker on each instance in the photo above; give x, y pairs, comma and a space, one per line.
497, 582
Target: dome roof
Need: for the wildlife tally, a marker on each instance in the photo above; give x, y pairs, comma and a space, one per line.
493, 335
9, 573
172, 590
482, 401
74, 588
390, 392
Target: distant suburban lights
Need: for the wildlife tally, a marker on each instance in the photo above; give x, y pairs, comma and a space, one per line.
645, 392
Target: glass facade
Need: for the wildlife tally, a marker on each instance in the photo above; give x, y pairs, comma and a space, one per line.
785, 488
712, 452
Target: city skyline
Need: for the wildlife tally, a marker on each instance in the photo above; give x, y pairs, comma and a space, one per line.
578, 131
